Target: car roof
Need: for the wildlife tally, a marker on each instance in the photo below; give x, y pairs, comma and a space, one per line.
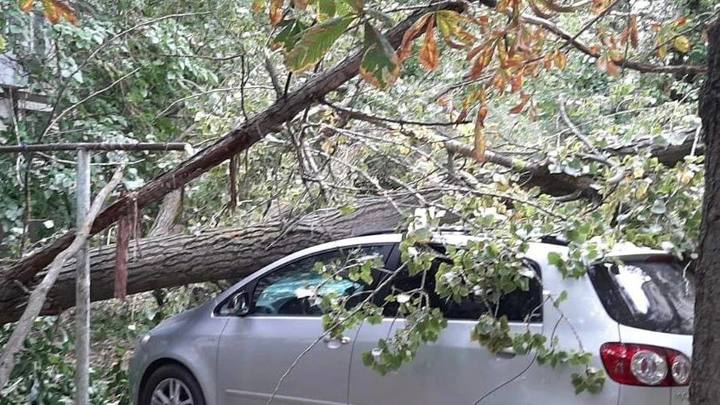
624, 250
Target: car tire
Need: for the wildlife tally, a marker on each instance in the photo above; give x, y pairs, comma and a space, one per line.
172, 378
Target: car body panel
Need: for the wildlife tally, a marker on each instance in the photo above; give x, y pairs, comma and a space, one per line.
271, 345
452, 370
190, 339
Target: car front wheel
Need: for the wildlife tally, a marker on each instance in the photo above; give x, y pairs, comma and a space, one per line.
171, 385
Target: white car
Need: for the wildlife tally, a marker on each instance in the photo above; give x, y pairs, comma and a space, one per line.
635, 318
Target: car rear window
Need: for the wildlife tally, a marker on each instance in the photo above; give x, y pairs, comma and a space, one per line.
656, 295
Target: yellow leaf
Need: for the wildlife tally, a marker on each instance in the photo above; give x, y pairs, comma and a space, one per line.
429, 55
26, 5
258, 6
52, 14
682, 44
685, 176
561, 60
641, 191
616, 55
479, 150
662, 52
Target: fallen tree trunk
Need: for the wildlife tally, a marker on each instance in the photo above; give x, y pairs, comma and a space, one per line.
283, 110
215, 255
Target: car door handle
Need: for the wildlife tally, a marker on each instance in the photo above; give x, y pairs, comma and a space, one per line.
336, 343
506, 353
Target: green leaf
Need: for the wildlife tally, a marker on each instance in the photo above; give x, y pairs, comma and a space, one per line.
3, 43
367, 359
326, 9
380, 65
555, 259
315, 43
347, 209
289, 35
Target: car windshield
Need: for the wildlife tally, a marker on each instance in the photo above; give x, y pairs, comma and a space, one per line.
656, 295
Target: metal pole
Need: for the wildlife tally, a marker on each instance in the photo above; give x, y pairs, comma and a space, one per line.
82, 287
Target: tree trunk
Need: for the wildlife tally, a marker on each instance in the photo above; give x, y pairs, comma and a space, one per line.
705, 385
215, 255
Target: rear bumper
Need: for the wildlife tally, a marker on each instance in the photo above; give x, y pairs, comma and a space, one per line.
631, 395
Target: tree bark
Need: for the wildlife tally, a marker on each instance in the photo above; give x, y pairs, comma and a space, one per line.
705, 383
169, 211
237, 140
218, 254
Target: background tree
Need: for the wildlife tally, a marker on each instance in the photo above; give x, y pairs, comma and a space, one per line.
704, 388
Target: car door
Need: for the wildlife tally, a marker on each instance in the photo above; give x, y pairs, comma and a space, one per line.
278, 347
454, 369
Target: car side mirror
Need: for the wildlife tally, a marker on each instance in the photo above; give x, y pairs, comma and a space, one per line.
237, 305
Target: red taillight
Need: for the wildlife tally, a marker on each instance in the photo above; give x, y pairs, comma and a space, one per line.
634, 364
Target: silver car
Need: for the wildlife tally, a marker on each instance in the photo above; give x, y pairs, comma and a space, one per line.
633, 314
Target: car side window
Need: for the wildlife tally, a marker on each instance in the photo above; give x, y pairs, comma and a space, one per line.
297, 288
517, 306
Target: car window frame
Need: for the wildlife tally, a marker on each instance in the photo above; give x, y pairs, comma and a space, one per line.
251, 285
394, 262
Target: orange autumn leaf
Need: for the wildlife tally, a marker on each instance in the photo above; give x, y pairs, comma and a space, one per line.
561, 60
26, 5
51, 12
481, 114
429, 54
499, 82
613, 69
516, 82
276, 11
66, 12
602, 63
480, 142
410, 35
633, 32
